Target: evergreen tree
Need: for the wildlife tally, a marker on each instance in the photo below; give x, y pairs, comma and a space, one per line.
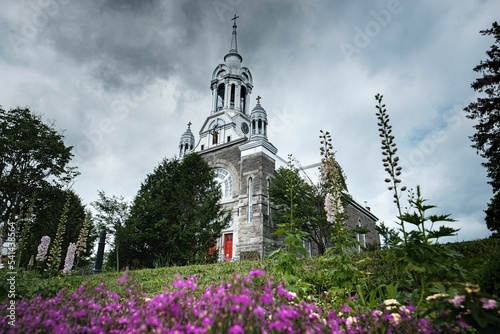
486, 111
176, 217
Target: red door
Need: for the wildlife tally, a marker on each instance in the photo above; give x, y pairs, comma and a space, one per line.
228, 246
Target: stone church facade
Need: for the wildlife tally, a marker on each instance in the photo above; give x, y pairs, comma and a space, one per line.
233, 140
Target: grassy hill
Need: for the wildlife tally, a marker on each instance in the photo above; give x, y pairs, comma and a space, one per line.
481, 262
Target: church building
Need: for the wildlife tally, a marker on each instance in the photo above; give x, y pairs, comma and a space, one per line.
233, 140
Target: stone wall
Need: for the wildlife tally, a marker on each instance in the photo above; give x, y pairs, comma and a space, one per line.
257, 236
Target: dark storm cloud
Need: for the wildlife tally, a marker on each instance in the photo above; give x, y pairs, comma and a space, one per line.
119, 42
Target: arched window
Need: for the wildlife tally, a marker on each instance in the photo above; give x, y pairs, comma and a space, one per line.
250, 195
220, 96
225, 181
232, 95
260, 126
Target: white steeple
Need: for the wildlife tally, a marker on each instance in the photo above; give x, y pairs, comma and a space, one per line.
231, 83
186, 144
258, 134
258, 121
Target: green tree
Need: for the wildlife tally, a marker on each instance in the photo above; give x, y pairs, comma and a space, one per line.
32, 155
112, 212
301, 203
176, 216
486, 111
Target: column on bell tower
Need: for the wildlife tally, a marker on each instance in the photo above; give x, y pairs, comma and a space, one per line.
226, 94
237, 104
214, 97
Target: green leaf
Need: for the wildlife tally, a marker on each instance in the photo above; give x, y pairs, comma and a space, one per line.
444, 231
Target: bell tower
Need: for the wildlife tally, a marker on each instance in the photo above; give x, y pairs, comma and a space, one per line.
231, 83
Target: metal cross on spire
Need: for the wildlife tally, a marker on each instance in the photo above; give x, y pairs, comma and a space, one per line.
234, 19
258, 98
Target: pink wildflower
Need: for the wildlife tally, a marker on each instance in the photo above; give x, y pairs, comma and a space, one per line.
43, 248
236, 329
489, 304
457, 301
70, 258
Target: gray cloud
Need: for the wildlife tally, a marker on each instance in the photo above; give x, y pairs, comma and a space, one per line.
124, 77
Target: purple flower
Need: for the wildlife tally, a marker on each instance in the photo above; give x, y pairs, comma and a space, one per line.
266, 299
277, 325
259, 312
43, 248
345, 309
242, 299
236, 329
124, 279
457, 301
489, 304
256, 273
462, 324
70, 258
285, 293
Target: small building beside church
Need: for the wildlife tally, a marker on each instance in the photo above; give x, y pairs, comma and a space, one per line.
233, 140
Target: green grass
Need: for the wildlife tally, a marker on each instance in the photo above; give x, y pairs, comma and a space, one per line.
154, 281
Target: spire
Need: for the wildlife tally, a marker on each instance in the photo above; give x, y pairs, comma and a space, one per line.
234, 41
233, 51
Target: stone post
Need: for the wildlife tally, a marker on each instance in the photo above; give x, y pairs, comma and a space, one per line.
100, 252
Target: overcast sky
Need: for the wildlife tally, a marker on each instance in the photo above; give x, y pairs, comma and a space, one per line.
123, 78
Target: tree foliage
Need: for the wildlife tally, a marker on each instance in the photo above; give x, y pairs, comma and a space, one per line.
34, 170
176, 216
112, 212
32, 155
486, 111
301, 203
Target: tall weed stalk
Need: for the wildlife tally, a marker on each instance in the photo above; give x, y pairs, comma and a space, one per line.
343, 273
420, 262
